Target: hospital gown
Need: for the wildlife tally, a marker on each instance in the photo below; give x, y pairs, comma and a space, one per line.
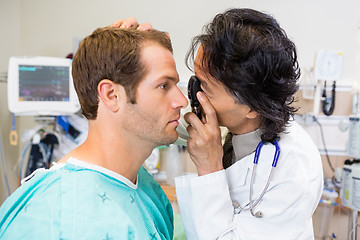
83, 201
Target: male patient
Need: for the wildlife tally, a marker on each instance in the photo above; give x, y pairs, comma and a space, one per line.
126, 81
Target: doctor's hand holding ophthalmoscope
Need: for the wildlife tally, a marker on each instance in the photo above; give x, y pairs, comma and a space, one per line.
204, 143
270, 179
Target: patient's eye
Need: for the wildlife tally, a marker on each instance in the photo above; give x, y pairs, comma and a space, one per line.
163, 86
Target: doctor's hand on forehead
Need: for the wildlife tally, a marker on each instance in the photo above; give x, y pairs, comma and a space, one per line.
132, 22
204, 143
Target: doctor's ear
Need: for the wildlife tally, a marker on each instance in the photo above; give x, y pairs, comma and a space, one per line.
109, 94
252, 114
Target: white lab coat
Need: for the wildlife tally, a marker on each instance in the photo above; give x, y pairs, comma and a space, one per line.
206, 202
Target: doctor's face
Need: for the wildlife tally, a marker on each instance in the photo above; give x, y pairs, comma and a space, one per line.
230, 114
154, 117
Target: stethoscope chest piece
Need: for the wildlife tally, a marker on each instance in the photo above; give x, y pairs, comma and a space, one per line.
258, 214
237, 210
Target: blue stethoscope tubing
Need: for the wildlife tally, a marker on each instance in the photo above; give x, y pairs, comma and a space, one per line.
259, 214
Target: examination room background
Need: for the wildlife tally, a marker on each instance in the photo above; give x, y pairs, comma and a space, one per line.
52, 28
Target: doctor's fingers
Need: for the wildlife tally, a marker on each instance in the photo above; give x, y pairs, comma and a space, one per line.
202, 134
206, 155
192, 133
208, 109
194, 142
194, 122
145, 27
130, 22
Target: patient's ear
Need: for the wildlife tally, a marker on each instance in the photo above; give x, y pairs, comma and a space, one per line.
109, 94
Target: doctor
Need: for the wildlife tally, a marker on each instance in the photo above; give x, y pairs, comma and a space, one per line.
248, 72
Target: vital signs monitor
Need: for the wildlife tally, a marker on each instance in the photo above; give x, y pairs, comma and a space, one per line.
41, 86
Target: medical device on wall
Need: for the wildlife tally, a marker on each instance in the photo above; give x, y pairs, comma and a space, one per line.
328, 67
50, 141
41, 86
353, 143
74, 130
350, 192
350, 189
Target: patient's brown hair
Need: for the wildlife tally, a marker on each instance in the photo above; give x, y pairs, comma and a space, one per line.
114, 54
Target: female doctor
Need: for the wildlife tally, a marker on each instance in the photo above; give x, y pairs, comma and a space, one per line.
267, 179
270, 179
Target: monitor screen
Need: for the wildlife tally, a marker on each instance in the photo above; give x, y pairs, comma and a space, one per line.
41, 86
54, 82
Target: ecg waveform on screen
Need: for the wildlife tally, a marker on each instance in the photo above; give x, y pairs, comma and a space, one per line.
43, 83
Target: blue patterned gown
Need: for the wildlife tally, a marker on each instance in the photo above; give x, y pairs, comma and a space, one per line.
82, 201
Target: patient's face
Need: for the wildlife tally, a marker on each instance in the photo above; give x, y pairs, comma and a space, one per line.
154, 117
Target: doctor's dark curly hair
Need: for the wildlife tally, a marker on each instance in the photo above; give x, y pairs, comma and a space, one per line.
251, 55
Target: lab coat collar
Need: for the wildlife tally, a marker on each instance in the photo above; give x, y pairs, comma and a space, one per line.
245, 144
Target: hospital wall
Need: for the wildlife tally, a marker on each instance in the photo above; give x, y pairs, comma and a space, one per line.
9, 45
49, 27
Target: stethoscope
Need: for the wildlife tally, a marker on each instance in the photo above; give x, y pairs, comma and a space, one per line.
252, 205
